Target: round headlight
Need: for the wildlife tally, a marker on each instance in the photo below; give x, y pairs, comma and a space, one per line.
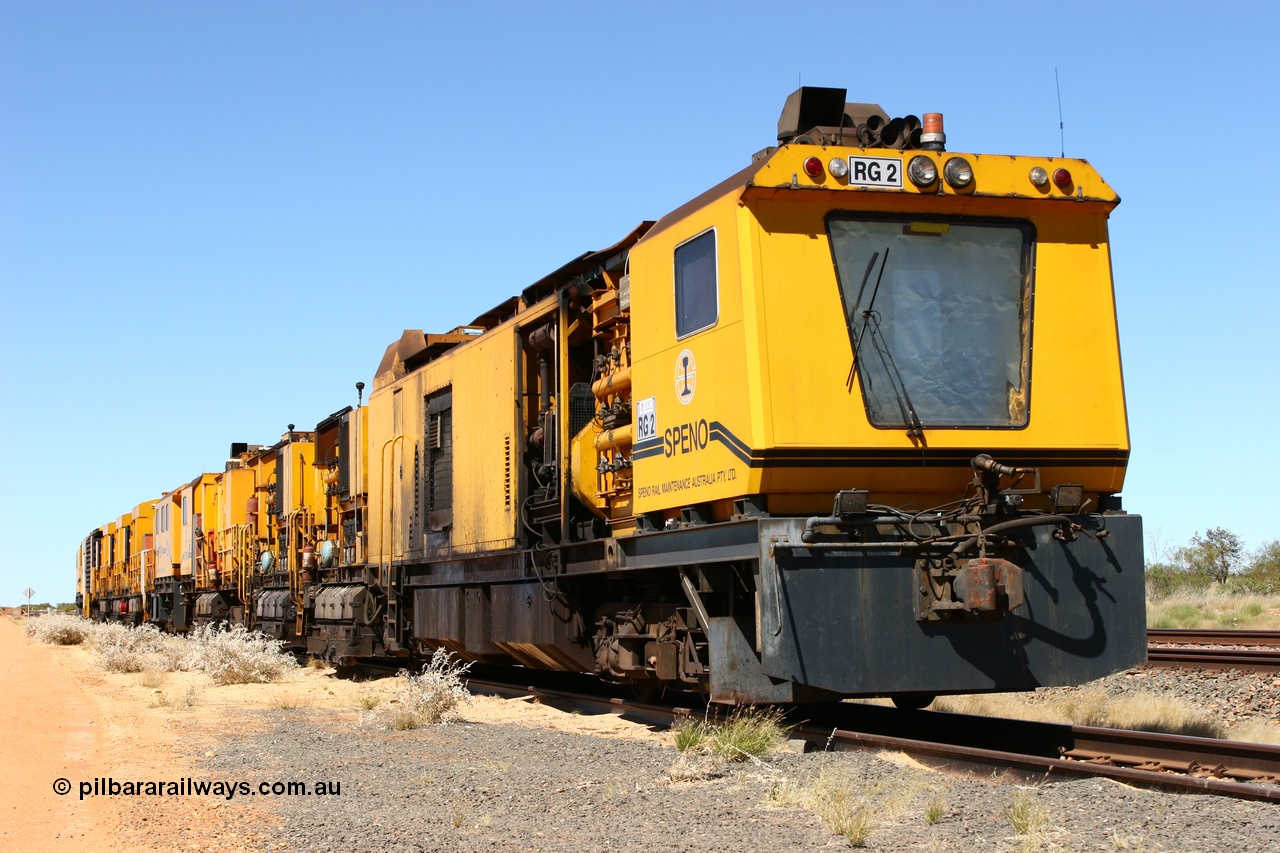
838, 167
958, 172
1062, 178
922, 171
1039, 176
813, 167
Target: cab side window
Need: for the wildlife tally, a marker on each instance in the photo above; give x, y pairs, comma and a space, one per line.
697, 291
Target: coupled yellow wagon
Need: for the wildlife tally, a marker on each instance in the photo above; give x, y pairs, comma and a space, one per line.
851, 422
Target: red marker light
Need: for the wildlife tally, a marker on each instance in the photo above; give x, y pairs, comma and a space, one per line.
1062, 179
813, 167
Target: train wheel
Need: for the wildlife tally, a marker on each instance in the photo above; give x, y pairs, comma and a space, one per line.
648, 690
913, 701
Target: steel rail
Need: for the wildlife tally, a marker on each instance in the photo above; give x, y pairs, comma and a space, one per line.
964, 743
1212, 637
1213, 658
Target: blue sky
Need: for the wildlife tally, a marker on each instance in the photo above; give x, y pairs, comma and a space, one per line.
215, 217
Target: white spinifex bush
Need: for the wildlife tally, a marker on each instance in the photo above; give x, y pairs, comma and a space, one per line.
237, 656
58, 629
227, 656
430, 697
121, 648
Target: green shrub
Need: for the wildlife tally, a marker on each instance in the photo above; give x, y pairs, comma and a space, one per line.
689, 735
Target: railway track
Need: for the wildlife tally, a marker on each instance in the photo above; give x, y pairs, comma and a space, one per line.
1214, 649
1212, 637
980, 744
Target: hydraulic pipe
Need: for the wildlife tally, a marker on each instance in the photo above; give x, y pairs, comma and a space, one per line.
613, 384
809, 533
1012, 524
615, 439
562, 446
544, 384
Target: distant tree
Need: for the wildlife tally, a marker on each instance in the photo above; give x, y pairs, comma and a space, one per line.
1164, 579
1263, 571
1217, 553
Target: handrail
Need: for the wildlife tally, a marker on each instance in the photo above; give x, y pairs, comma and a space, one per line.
244, 562
391, 503
300, 519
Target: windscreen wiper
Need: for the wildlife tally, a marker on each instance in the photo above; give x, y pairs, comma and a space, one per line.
871, 320
853, 309
915, 430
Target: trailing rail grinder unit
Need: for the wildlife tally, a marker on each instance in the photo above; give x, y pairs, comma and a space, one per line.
849, 423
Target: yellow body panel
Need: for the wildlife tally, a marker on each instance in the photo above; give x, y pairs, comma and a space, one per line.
394, 426
142, 567
199, 499
337, 506
996, 176
486, 442
781, 334
168, 535
486, 437
105, 584
121, 542
296, 476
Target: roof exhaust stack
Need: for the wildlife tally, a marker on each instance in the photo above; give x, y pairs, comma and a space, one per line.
814, 115
808, 107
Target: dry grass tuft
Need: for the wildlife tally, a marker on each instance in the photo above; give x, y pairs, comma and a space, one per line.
854, 810
1257, 731
151, 677
426, 699
290, 702
186, 700
1087, 707
750, 733
689, 735
697, 767
1030, 820
1026, 814
1149, 713
1091, 706
832, 799
1125, 841
368, 700
747, 733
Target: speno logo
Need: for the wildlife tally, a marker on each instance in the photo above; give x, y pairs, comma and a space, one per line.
686, 376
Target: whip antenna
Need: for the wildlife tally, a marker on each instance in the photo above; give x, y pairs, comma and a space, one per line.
1061, 136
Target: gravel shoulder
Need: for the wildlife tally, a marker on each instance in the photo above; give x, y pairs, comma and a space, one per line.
481, 785
516, 775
